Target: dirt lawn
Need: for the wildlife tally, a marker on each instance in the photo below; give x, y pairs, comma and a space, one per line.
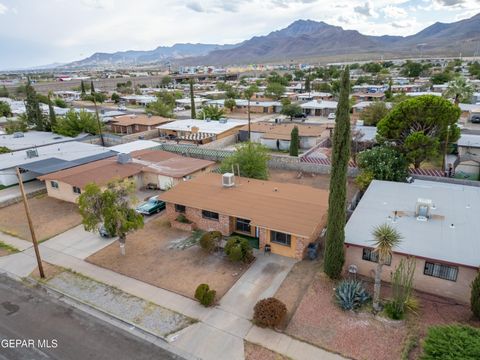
318, 181
154, 255
50, 217
257, 352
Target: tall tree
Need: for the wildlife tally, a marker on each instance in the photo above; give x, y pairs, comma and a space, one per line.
386, 238
92, 88
334, 249
34, 113
307, 84
212, 112
291, 110
459, 90
230, 104
110, 207
51, 113
251, 158
193, 113
247, 94
294, 142
82, 87
274, 90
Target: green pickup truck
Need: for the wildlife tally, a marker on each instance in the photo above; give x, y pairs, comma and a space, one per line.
151, 206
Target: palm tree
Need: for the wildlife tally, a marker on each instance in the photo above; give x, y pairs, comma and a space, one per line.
458, 89
247, 94
386, 238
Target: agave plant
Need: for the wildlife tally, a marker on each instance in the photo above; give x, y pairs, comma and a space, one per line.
350, 294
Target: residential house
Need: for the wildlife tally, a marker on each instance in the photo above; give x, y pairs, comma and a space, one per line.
439, 227
319, 107
142, 100
256, 106
277, 136
131, 124
155, 168
468, 162
287, 217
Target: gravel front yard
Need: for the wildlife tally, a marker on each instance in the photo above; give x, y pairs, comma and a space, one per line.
149, 316
50, 217
162, 256
257, 352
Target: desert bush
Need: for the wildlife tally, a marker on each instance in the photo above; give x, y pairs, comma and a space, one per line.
238, 249
350, 294
364, 179
209, 240
183, 219
451, 342
205, 295
402, 286
269, 312
475, 296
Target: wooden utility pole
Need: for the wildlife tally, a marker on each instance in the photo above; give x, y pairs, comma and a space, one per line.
30, 224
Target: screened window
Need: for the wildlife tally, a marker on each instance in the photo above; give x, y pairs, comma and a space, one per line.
209, 215
54, 184
243, 225
180, 208
371, 255
77, 190
280, 238
441, 271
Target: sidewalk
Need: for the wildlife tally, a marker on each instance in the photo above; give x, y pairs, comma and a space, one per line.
221, 331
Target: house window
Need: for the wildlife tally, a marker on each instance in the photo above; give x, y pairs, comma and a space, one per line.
76, 190
441, 271
209, 215
54, 184
280, 238
180, 208
243, 225
371, 255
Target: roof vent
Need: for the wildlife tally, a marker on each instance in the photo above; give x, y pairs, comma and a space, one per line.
32, 153
423, 209
228, 180
124, 158
17, 135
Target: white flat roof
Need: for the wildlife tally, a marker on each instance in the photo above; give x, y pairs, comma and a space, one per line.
134, 146
451, 235
469, 140
72, 150
204, 126
32, 139
320, 104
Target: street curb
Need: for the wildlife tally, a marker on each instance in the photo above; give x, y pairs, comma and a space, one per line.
130, 324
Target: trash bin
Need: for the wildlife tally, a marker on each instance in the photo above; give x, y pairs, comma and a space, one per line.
312, 251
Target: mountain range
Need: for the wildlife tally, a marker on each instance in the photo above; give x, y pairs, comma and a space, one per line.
307, 39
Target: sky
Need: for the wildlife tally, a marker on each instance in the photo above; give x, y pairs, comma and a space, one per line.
34, 32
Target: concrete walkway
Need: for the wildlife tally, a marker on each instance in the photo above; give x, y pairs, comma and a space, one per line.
13, 192
221, 330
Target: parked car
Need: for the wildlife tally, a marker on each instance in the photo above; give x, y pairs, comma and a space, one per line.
152, 186
331, 116
475, 119
104, 232
300, 116
179, 108
151, 206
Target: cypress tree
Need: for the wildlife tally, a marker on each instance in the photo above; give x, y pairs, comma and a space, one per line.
51, 114
475, 296
294, 142
82, 87
307, 84
192, 101
334, 249
92, 88
32, 108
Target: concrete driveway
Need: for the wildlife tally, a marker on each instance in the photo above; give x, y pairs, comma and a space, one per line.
260, 281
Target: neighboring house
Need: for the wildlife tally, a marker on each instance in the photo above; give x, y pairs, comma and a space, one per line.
358, 108
200, 131
31, 139
468, 161
131, 124
142, 100
132, 146
42, 160
155, 168
374, 96
277, 136
256, 106
314, 95
186, 102
319, 107
468, 111
439, 227
285, 216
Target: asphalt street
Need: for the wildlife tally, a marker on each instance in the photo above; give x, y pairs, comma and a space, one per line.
35, 325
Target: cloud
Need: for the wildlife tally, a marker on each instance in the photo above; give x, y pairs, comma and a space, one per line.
450, 2
98, 4
402, 25
3, 9
394, 12
366, 9
195, 6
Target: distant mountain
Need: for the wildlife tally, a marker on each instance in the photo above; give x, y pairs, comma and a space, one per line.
306, 39
160, 54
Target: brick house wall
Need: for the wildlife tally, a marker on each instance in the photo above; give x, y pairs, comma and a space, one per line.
224, 223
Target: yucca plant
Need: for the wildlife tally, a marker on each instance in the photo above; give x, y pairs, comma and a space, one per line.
350, 294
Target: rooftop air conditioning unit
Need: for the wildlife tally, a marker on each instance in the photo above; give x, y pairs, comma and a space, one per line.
124, 158
17, 135
228, 180
423, 209
32, 153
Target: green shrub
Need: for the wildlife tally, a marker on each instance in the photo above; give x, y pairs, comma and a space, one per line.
350, 294
451, 342
475, 296
183, 219
393, 311
205, 295
402, 286
238, 249
209, 240
269, 312
364, 179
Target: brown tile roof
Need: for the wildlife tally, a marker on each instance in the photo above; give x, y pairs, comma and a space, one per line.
282, 131
140, 119
290, 208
